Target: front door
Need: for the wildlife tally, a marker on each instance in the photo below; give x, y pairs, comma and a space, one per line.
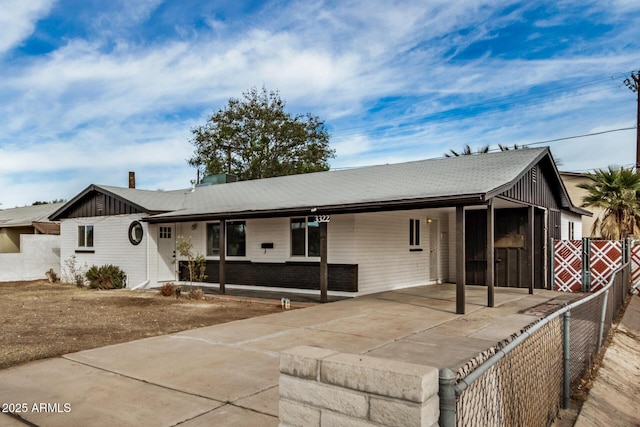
166, 253
433, 250
511, 249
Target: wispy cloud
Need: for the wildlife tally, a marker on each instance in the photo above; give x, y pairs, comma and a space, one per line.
123, 85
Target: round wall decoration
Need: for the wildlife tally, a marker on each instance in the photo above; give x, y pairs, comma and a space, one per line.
135, 233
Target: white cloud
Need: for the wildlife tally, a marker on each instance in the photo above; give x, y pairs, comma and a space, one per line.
18, 19
115, 104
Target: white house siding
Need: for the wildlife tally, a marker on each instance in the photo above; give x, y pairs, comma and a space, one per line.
383, 253
565, 219
269, 230
340, 239
377, 242
38, 253
111, 245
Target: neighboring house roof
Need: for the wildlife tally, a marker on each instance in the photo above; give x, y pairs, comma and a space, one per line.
451, 181
28, 215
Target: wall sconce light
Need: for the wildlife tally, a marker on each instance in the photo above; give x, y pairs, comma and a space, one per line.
429, 220
194, 225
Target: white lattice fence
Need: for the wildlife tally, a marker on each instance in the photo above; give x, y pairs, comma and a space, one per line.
568, 265
606, 257
635, 263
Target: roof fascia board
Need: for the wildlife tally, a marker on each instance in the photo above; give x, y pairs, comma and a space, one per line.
452, 201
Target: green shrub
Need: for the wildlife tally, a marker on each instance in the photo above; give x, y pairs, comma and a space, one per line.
105, 277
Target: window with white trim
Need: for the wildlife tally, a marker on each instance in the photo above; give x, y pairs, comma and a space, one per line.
305, 237
572, 231
414, 233
85, 236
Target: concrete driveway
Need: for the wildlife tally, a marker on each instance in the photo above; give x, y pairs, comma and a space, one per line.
227, 375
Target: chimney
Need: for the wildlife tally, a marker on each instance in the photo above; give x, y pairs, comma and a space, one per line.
132, 180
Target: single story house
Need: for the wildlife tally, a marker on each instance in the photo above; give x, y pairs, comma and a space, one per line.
571, 181
26, 220
29, 242
478, 219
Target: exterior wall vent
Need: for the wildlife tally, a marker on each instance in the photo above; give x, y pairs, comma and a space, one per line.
534, 174
100, 203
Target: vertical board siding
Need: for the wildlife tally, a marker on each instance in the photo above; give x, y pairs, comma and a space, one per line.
555, 229
538, 193
96, 203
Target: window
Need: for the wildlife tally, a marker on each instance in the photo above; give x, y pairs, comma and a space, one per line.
571, 230
213, 239
135, 233
305, 237
165, 232
85, 236
236, 238
414, 232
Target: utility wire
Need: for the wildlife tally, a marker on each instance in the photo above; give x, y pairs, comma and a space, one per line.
407, 123
574, 137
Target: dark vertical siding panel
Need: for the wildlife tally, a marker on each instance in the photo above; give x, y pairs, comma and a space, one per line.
98, 204
539, 193
554, 224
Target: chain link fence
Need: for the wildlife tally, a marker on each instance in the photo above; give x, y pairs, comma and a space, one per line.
528, 377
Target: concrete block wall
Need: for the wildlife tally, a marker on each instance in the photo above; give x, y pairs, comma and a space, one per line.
324, 388
38, 254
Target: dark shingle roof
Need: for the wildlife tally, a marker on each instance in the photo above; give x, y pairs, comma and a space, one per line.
426, 183
459, 178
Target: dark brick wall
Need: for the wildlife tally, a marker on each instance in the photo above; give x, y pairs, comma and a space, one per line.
301, 275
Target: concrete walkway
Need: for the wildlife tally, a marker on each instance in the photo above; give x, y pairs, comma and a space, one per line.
227, 375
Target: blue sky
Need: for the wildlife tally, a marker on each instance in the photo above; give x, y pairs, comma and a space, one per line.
90, 90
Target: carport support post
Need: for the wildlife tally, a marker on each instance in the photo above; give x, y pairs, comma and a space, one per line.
532, 247
324, 266
490, 255
460, 260
223, 250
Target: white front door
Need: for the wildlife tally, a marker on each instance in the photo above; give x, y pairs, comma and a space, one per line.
166, 253
434, 248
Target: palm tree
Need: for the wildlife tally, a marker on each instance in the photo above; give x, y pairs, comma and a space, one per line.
507, 148
467, 151
617, 191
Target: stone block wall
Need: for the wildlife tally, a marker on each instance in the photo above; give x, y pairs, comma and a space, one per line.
320, 387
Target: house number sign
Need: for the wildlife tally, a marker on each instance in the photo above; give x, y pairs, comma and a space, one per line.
323, 218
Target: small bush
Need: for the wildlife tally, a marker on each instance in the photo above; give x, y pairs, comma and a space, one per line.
73, 273
105, 277
196, 293
168, 290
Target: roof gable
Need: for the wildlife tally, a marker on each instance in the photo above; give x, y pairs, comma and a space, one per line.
97, 200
